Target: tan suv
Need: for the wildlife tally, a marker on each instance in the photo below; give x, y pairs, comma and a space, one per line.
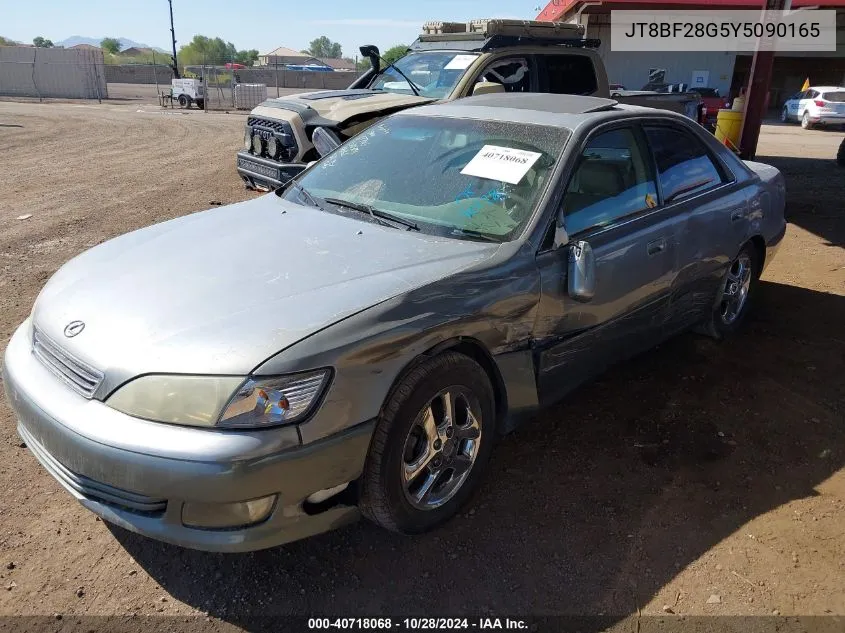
447, 61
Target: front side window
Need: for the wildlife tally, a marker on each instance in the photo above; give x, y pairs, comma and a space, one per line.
434, 74
513, 73
684, 166
460, 178
611, 180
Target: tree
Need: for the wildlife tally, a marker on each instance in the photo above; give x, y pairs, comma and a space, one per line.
214, 51
247, 58
324, 47
110, 45
40, 42
395, 52
5, 41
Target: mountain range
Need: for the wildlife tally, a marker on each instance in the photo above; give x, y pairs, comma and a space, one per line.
125, 43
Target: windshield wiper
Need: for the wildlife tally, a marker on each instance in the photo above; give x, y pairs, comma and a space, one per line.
374, 213
477, 235
307, 194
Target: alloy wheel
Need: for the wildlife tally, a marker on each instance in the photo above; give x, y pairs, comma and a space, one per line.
441, 448
735, 291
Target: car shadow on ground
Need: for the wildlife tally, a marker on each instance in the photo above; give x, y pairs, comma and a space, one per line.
811, 202
592, 507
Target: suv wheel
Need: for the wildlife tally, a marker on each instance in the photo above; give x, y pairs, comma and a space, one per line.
805, 121
184, 101
430, 445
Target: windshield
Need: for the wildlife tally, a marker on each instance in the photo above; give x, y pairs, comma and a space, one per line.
460, 178
434, 73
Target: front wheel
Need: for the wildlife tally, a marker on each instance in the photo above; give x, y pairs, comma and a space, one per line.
430, 446
184, 101
736, 291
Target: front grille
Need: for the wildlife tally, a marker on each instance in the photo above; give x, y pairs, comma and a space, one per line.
79, 376
277, 126
90, 489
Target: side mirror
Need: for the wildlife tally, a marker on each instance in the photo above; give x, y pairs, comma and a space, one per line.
581, 272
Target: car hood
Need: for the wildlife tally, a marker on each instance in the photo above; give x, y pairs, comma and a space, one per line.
338, 106
219, 292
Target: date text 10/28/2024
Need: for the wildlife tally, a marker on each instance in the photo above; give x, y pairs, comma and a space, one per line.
417, 624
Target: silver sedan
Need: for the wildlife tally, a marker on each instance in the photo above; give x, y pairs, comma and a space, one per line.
354, 343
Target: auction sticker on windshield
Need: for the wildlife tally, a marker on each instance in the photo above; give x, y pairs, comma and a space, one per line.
460, 62
501, 163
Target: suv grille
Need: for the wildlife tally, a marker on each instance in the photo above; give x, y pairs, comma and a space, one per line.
81, 377
278, 126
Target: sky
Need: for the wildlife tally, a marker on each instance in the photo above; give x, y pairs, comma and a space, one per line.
248, 24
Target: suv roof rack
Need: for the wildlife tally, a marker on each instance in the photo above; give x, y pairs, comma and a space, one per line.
483, 35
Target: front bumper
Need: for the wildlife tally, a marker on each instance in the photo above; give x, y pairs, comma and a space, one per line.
264, 172
138, 474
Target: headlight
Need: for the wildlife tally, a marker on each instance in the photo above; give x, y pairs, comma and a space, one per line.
221, 401
248, 138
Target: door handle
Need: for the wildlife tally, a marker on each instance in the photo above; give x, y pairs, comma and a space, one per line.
657, 246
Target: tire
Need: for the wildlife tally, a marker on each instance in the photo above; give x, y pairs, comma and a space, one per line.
805, 121
200, 104
184, 101
784, 115
722, 322
840, 155
400, 442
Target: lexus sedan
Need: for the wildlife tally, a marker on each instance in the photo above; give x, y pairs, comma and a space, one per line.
354, 343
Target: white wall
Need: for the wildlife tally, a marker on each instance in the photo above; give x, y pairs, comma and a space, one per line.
26, 71
631, 69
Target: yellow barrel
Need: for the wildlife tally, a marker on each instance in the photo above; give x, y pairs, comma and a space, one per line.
728, 127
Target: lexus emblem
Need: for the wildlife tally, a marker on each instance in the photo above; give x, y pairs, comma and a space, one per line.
73, 328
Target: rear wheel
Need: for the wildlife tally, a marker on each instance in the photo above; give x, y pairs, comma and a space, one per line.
805, 121
200, 104
736, 292
430, 445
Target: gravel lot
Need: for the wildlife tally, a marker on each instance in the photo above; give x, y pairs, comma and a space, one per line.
705, 478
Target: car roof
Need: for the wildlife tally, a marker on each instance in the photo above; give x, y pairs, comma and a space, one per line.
826, 88
565, 111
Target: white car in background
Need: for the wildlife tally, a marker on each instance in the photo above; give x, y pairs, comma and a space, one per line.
819, 105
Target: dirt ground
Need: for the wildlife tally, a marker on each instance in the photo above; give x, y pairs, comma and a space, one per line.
701, 478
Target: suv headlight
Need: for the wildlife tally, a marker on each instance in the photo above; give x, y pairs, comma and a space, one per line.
221, 401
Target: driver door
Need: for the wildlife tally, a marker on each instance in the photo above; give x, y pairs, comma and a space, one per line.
610, 202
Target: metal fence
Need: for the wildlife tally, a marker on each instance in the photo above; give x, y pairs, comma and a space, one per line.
220, 80
81, 74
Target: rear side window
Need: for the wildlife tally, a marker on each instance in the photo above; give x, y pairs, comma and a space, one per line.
570, 74
611, 180
684, 167
836, 97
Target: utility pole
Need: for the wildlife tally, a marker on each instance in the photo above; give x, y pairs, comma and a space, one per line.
757, 89
173, 39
